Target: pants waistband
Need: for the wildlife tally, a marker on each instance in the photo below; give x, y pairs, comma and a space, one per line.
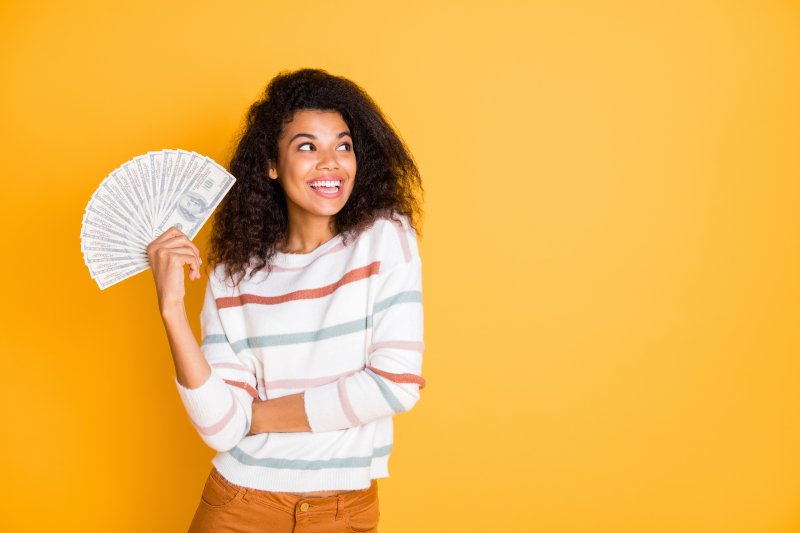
304, 505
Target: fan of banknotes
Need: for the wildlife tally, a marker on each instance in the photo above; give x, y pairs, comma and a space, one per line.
140, 200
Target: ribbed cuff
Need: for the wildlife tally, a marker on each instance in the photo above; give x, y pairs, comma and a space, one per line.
324, 408
208, 403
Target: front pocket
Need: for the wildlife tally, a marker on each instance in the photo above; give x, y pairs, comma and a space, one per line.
217, 493
365, 520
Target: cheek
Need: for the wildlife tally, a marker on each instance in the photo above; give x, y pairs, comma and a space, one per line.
297, 169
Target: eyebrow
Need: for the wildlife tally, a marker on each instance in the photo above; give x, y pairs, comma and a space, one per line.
342, 134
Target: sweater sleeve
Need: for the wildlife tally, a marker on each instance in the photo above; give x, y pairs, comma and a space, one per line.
391, 380
220, 408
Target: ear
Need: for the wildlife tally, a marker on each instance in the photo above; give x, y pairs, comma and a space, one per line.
273, 172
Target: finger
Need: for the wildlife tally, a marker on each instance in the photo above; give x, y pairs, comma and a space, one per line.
194, 247
178, 243
180, 238
190, 259
183, 250
181, 244
163, 254
159, 241
194, 269
186, 255
170, 233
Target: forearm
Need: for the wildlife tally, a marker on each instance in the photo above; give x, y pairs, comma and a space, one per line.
288, 414
191, 368
281, 415
219, 417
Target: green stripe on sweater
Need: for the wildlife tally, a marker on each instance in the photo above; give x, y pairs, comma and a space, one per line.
302, 464
337, 330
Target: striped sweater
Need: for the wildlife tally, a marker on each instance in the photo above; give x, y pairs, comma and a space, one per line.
344, 325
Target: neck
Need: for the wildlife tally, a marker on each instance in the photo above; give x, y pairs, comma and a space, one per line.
307, 234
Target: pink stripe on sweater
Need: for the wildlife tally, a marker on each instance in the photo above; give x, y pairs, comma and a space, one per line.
306, 382
400, 378
216, 428
345, 401
244, 386
232, 366
402, 345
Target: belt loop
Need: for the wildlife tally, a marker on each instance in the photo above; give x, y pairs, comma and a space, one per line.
339, 507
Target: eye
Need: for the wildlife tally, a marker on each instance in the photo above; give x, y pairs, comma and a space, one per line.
305, 144
347, 147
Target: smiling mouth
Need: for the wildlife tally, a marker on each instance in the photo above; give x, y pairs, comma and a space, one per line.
326, 186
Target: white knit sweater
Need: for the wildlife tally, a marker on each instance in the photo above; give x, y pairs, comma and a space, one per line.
342, 323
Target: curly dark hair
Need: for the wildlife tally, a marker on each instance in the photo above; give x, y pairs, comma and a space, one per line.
252, 219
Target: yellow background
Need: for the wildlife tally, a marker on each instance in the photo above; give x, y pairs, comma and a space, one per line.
610, 255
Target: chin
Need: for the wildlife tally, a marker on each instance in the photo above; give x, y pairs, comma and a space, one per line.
328, 212
331, 209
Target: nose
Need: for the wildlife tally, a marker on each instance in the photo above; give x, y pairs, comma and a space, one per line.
328, 160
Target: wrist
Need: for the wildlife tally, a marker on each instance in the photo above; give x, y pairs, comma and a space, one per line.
172, 311
255, 417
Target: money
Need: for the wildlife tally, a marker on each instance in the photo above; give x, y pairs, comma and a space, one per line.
139, 201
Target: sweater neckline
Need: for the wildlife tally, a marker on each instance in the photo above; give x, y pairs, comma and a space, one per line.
290, 259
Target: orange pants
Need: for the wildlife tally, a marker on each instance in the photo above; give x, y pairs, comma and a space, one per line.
225, 507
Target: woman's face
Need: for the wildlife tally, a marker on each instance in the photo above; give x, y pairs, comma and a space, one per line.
315, 147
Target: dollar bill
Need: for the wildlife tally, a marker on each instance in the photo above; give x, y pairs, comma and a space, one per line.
197, 201
140, 200
108, 279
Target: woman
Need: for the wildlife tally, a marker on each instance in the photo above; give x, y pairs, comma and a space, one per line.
312, 320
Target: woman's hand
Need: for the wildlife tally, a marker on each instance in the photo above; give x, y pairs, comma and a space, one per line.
168, 254
286, 414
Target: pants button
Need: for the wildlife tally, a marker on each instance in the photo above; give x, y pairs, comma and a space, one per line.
304, 506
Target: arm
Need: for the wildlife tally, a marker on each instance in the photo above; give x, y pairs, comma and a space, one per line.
219, 408
191, 369
389, 383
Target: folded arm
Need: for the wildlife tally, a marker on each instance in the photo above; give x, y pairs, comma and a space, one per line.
388, 384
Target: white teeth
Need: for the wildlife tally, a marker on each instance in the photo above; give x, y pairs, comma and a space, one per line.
329, 183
